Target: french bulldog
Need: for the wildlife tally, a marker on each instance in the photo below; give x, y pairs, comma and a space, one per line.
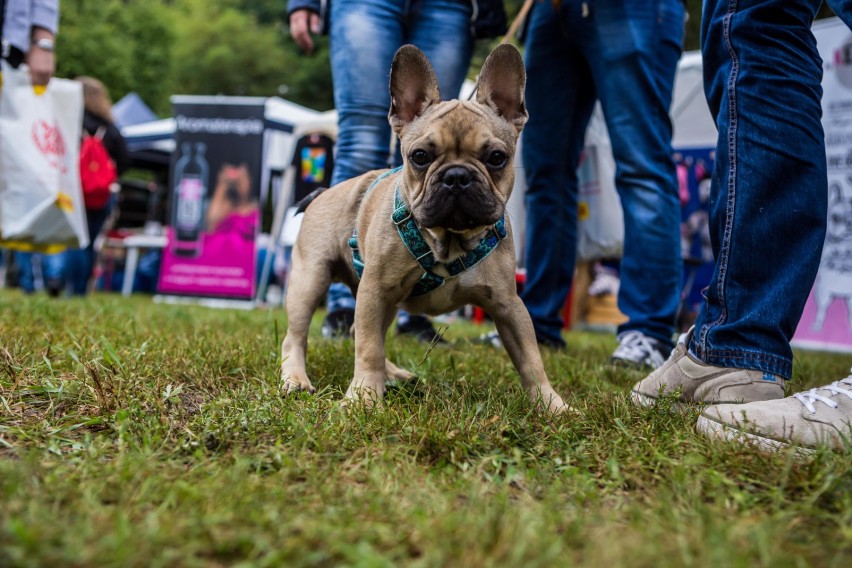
428, 237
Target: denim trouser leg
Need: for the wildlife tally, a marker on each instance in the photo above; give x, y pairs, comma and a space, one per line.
26, 277
560, 97
364, 38
627, 56
53, 267
81, 262
762, 76
633, 62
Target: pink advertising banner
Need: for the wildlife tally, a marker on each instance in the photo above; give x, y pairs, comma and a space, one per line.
827, 320
215, 213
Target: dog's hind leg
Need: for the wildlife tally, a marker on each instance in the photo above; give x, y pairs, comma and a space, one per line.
308, 282
397, 373
394, 373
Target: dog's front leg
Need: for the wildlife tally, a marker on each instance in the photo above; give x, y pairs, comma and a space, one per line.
516, 331
371, 313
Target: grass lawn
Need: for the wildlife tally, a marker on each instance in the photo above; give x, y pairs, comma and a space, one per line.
137, 434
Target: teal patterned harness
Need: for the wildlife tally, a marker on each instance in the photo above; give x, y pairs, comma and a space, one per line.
419, 249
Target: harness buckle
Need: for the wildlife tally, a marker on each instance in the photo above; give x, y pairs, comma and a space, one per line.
401, 221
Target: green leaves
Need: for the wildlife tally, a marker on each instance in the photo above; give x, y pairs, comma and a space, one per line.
158, 48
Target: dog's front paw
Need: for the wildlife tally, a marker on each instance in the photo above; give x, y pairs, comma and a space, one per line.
368, 393
548, 401
293, 382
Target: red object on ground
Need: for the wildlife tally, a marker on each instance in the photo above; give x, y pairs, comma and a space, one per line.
520, 280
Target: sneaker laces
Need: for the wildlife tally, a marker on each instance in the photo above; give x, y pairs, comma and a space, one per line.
810, 397
636, 346
606, 282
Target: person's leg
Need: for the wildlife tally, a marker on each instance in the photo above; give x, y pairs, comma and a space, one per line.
53, 272
768, 206
441, 29
633, 61
364, 37
76, 261
787, 132
560, 97
81, 262
26, 278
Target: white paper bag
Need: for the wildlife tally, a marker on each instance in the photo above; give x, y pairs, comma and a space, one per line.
41, 202
600, 231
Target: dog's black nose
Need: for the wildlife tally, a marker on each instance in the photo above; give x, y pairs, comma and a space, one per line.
457, 179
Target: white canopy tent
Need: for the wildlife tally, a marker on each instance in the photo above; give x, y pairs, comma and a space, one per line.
693, 124
286, 121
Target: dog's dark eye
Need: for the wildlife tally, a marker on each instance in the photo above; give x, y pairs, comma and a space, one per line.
420, 158
496, 159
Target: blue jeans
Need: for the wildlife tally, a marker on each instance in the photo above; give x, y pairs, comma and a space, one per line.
364, 37
80, 263
624, 54
52, 268
768, 205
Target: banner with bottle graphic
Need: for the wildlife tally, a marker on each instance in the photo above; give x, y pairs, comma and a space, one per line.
215, 192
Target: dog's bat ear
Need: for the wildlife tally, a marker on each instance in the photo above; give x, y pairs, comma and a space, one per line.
413, 86
501, 84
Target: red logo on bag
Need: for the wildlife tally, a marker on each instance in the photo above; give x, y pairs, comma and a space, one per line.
48, 139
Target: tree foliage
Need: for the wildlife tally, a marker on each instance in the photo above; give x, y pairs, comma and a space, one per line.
232, 47
162, 47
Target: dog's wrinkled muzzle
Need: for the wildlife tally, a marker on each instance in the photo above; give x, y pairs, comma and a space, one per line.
459, 199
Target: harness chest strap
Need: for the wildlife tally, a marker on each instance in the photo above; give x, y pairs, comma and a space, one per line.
416, 244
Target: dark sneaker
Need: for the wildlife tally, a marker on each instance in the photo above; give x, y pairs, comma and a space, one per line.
637, 350
54, 287
338, 324
492, 338
420, 327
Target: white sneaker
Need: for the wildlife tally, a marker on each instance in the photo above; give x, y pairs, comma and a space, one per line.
818, 417
606, 282
635, 349
699, 382
491, 338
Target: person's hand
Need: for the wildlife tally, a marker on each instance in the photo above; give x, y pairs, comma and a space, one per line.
304, 23
41, 64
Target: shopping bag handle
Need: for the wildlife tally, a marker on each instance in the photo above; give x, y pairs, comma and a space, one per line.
37, 89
